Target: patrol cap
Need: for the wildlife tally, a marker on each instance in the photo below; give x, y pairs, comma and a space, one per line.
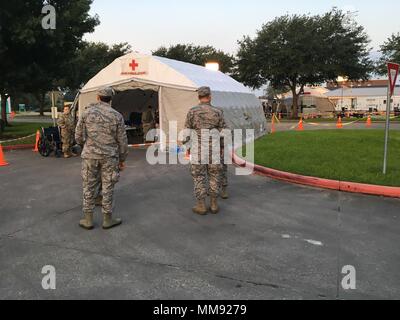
107, 92
204, 92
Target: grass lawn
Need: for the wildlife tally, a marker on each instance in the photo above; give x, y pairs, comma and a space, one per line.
18, 130
347, 155
344, 120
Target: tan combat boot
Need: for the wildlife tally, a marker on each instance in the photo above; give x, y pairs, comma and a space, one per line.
224, 193
214, 205
67, 155
109, 222
200, 207
87, 222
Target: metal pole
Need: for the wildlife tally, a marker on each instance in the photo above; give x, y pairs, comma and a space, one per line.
342, 97
53, 104
388, 109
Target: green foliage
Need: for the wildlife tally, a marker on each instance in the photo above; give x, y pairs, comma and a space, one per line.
33, 59
298, 50
89, 59
390, 52
198, 55
273, 93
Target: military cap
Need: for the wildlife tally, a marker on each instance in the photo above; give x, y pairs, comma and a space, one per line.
106, 92
204, 91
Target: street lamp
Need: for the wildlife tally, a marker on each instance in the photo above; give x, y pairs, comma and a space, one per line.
343, 80
213, 66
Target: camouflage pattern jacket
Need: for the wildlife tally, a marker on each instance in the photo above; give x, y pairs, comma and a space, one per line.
201, 117
101, 132
67, 124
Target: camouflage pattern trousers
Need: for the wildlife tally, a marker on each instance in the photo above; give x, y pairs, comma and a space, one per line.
92, 171
67, 140
224, 169
207, 178
224, 175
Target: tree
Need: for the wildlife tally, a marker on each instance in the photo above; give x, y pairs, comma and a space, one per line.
16, 37
35, 59
390, 51
55, 50
89, 59
298, 50
198, 55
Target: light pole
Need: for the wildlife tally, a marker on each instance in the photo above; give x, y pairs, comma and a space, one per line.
343, 80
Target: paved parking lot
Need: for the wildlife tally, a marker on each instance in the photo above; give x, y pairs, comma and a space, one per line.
272, 240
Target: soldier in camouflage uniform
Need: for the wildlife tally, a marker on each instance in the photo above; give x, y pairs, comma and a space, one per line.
101, 132
67, 124
206, 177
224, 172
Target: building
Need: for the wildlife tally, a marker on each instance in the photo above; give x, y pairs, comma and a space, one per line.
357, 84
312, 100
363, 98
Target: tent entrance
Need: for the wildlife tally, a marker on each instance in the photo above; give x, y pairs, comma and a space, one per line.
132, 104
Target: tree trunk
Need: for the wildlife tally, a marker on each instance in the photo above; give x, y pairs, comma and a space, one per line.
40, 97
4, 98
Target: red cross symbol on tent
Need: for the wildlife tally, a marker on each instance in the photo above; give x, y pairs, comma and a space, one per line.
134, 65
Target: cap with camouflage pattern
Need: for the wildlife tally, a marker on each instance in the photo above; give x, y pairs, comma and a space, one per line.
106, 92
204, 92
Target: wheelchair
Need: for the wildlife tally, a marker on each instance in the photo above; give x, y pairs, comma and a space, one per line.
50, 142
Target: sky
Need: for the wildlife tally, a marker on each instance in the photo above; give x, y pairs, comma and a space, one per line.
146, 25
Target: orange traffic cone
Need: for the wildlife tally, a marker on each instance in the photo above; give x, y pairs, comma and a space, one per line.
37, 142
339, 124
3, 162
301, 126
273, 125
369, 122
12, 116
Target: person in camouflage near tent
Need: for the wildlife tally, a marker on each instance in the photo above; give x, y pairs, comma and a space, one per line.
224, 170
205, 171
67, 124
147, 122
101, 132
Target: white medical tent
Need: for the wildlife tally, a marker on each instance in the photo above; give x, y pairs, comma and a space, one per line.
172, 86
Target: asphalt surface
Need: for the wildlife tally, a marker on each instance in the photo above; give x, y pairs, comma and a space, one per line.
272, 240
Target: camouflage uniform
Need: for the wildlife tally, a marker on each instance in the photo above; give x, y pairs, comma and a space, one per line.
206, 177
101, 130
224, 169
67, 124
147, 122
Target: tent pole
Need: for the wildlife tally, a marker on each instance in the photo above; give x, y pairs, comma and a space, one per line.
162, 136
